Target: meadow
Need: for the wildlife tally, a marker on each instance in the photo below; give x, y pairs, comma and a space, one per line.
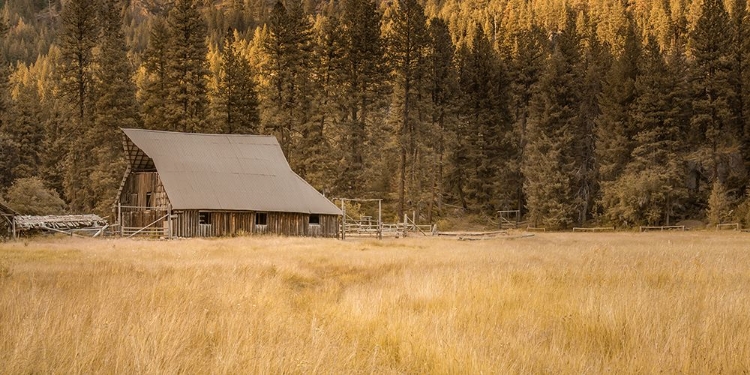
562, 303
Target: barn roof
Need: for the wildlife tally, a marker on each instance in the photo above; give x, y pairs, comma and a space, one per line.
223, 172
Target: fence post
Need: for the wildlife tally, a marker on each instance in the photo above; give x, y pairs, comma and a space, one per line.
380, 219
343, 219
119, 217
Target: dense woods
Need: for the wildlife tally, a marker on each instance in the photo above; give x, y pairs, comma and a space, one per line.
591, 111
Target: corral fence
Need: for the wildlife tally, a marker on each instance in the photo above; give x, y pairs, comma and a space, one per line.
144, 221
728, 226
661, 228
594, 229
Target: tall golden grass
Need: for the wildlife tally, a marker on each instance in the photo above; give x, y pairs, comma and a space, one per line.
553, 303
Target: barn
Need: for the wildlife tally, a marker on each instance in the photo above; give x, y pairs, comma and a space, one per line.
211, 185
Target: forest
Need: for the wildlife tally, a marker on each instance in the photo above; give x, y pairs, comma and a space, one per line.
575, 112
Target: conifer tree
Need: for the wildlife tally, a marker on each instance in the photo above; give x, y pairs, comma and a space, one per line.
526, 63
407, 41
614, 129
321, 132
77, 40
443, 87
116, 108
153, 95
187, 68
286, 103
23, 124
714, 130
550, 158
650, 185
237, 109
363, 79
484, 87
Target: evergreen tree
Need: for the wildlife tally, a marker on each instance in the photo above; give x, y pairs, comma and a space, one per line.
77, 40
320, 133
740, 75
237, 109
154, 93
23, 124
187, 68
526, 63
594, 65
407, 41
363, 78
288, 48
614, 129
550, 157
714, 129
443, 87
116, 108
485, 111
650, 186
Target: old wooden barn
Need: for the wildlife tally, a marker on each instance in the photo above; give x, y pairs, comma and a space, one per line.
208, 185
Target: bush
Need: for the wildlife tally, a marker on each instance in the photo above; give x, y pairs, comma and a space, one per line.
29, 196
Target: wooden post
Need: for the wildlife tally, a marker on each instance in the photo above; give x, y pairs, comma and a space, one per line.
169, 221
380, 219
13, 225
343, 219
119, 216
406, 222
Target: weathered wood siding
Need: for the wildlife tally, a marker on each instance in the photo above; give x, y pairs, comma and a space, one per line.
187, 224
135, 212
138, 185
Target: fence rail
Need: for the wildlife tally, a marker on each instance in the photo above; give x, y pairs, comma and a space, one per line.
594, 229
662, 228
732, 226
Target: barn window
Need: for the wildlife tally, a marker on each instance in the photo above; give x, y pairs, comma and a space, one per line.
204, 218
315, 219
148, 199
261, 218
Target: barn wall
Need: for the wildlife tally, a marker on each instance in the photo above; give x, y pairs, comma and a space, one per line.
138, 185
187, 224
135, 212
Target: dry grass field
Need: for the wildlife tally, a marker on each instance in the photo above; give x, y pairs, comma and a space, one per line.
554, 303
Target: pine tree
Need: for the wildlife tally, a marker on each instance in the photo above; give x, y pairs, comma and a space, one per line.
23, 124
526, 63
363, 79
614, 130
154, 93
740, 76
484, 87
714, 130
187, 68
77, 41
321, 132
651, 185
407, 41
116, 108
286, 103
237, 109
550, 157
75, 76
443, 87
595, 62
